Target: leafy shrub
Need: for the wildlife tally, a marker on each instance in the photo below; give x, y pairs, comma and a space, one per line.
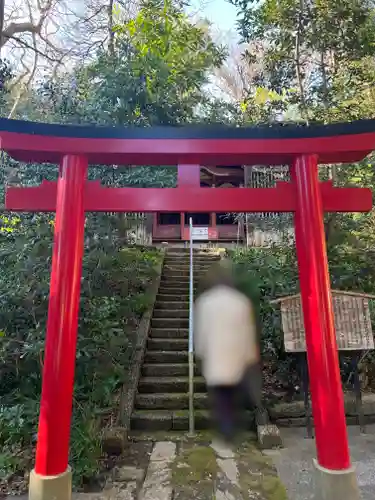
267, 273
115, 284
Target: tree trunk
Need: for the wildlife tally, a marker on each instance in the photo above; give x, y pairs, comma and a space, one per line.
298, 63
111, 33
2, 11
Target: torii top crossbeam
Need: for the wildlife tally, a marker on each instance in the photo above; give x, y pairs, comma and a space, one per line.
204, 144
193, 145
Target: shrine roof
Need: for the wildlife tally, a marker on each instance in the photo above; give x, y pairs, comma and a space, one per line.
169, 145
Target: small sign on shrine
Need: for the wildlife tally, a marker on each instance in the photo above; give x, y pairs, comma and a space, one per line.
200, 233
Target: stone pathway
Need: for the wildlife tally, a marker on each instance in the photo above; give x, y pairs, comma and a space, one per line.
158, 482
199, 471
188, 470
294, 462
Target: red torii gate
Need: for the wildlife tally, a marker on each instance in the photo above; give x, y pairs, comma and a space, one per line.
75, 147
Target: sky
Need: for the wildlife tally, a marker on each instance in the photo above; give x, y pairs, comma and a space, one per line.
220, 12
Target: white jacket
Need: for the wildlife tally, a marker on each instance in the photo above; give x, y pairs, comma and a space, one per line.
225, 335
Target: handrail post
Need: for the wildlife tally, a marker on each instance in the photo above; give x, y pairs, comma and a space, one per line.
191, 334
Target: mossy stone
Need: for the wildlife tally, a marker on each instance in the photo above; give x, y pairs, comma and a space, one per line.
193, 465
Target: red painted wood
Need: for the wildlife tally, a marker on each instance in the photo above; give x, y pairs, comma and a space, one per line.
326, 389
188, 175
333, 149
228, 231
60, 353
169, 232
104, 199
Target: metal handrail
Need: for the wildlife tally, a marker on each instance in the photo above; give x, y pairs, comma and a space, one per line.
191, 334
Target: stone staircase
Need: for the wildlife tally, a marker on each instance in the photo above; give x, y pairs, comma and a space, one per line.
162, 400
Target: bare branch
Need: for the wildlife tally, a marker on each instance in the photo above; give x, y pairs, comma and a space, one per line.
236, 77
60, 32
28, 26
2, 14
34, 49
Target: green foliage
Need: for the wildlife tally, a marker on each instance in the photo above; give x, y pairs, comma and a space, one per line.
317, 65
6, 75
114, 296
322, 49
268, 273
173, 56
264, 274
154, 74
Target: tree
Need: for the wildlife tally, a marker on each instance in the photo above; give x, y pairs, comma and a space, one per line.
169, 58
44, 37
310, 45
153, 74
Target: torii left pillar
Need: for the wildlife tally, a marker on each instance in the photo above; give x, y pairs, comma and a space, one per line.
51, 477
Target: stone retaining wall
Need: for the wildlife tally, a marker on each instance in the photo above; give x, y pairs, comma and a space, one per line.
130, 387
114, 438
292, 414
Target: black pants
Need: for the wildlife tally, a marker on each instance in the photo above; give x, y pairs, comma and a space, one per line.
228, 400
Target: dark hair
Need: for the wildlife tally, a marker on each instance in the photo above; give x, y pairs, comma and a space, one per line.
219, 274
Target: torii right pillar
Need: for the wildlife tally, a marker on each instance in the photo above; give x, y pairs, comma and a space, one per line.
335, 475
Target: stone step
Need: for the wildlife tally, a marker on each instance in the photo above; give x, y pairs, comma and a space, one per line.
176, 291
201, 437
178, 401
186, 250
198, 265
164, 420
149, 385
173, 286
170, 296
169, 333
170, 322
170, 287
196, 255
166, 357
171, 314
183, 249
169, 370
175, 294
178, 271
171, 305
185, 266
177, 277
167, 344
171, 401
197, 261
